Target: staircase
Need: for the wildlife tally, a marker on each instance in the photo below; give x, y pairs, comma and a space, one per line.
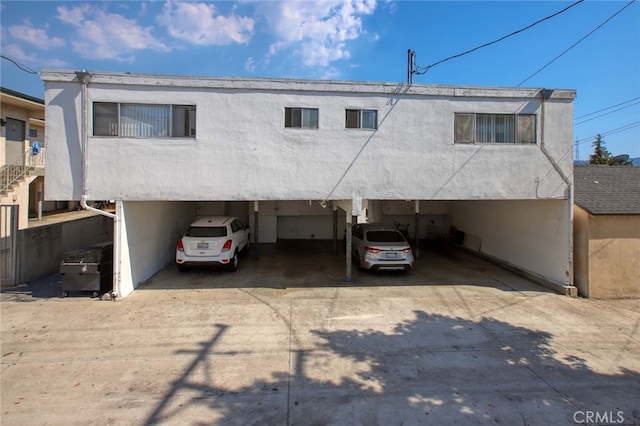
12, 175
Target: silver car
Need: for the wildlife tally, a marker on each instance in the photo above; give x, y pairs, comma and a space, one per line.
378, 246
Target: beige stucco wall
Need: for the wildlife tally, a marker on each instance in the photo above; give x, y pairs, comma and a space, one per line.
581, 250
18, 114
606, 255
20, 196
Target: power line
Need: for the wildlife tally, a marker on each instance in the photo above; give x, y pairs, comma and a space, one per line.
604, 109
19, 65
606, 113
609, 132
576, 43
422, 70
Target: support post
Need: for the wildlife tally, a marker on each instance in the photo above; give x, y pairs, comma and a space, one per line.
335, 230
256, 251
417, 230
348, 247
13, 227
40, 196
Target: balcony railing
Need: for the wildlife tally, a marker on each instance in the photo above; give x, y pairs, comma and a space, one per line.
11, 173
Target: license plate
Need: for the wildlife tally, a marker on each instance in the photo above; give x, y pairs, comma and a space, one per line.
392, 255
203, 245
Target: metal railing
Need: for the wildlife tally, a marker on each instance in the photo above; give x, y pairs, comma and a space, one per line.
11, 173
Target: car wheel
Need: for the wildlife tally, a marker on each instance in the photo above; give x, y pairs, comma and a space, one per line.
233, 264
182, 268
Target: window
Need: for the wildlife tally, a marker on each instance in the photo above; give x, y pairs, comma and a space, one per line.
304, 118
33, 133
495, 128
236, 226
144, 121
361, 119
207, 231
385, 237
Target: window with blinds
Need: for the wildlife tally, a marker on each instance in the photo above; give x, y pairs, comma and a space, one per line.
144, 120
495, 128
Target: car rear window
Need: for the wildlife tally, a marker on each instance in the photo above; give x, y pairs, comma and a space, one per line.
207, 231
385, 237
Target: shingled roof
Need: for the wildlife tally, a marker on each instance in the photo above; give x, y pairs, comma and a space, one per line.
607, 189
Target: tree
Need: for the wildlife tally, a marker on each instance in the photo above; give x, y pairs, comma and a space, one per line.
600, 153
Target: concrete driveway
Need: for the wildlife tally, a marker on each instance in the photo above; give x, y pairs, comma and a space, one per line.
462, 343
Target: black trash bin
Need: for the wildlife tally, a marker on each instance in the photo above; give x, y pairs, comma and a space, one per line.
88, 270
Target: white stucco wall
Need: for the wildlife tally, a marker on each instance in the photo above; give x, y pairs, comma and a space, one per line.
243, 152
150, 231
532, 235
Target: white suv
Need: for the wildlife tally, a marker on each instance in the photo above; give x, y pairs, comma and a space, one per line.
213, 240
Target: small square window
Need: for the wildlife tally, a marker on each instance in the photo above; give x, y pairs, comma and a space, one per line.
33, 133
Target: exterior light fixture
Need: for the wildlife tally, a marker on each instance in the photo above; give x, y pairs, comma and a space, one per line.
83, 76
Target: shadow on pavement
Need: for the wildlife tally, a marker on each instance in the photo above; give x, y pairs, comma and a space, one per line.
430, 369
46, 288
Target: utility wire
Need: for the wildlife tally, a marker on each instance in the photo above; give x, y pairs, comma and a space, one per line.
422, 70
19, 65
608, 132
604, 109
606, 113
576, 43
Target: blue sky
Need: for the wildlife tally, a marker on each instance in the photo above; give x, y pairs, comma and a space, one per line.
364, 40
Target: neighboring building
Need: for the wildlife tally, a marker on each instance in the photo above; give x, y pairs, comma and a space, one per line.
287, 155
21, 173
607, 231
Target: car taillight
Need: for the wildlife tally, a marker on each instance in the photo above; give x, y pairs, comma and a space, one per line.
227, 245
372, 249
407, 250
180, 246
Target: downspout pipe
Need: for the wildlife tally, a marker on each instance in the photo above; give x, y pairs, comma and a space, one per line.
84, 78
544, 95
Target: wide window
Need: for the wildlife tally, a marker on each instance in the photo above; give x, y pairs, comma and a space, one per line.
495, 128
302, 118
144, 120
361, 119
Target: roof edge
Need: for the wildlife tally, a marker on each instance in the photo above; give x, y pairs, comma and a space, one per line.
22, 96
49, 75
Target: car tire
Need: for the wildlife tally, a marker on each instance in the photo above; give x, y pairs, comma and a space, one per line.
182, 268
233, 263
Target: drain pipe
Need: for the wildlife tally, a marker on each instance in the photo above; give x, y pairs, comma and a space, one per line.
544, 95
85, 77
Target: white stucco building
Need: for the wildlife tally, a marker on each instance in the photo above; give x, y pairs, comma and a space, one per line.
495, 163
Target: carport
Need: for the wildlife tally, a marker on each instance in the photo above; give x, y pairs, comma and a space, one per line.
507, 233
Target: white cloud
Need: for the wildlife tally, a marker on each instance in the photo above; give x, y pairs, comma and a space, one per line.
319, 30
34, 36
102, 35
18, 54
73, 16
198, 24
250, 65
